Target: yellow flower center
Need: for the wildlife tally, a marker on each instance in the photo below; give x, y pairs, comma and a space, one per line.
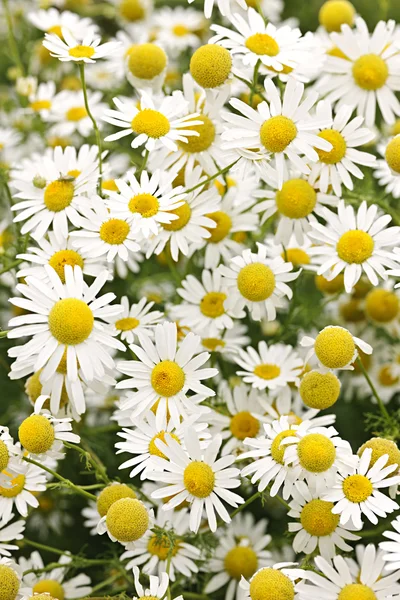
76, 113
132, 10
223, 227
39, 105
9, 583
58, 195
356, 591
17, 485
296, 199
296, 256
36, 434
241, 561
352, 311
62, 258
267, 371
81, 51
277, 133
271, 584
262, 44
330, 287
127, 324
370, 72
111, 494
278, 450
109, 185
338, 151
212, 304
392, 154
335, 13
199, 479
127, 520
396, 127
355, 246
183, 212
44, 596
210, 65
57, 30
151, 122
147, 61
205, 138
334, 347
114, 231
386, 378
382, 305
244, 425
49, 586
335, 51
4, 455
167, 378
160, 546
319, 390
180, 30
379, 447
357, 488
212, 344
71, 321
154, 451
256, 282
317, 518
316, 453
144, 204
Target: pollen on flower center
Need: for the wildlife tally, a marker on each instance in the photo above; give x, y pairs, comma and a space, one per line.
201, 142
127, 324
76, 113
153, 450
147, 61
357, 488
183, 212
267, 371
180, 30
210, 65
111, 494
160, 546
114, 231
127, 519
271, 584
36, 434
49, 586
81, 51
356, 591
317, 518
334, 13
9, 583
58, 195
199, 479
277, 133
392, 154
382, 305
62, 258
4, 456
241, 561
71, 321
243, 425
256, 282
296, 256
339, 147
167, 378
144, 204
212, 304
132, 10
370, 72
278, 450
262, 44
316, 453
379, 447
334, 347
355, 246
222, 229
38, 105
296, 199
150, 122
319, 390
17, 485
212, 344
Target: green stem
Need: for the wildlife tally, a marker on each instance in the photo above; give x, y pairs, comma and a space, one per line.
11, 39
143, 165
245, 504
382, 407
10, 266
172, 268
255, 81
194, 596
95, 462
3, 334
95, 126
106, 582
205, 181
44, 548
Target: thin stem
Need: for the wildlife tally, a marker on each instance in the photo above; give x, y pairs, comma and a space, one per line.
172, 268
106, 582
382, 407
10, 266
95, 127
11, 39
245, 504
143, 165
255, 81
205, 181
93, 460
3, 334
44, 548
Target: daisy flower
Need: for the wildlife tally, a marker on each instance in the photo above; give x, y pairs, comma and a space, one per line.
280, 128
41, 99
335, 348
19, 491
52, 21
391, 549
197, 476
139, 318
228, 342
354, 243
258, 283
177, 28
10, 532
240, 553
224, 6
126, 521
335, 167
165, 373
281, 581
294, 252
11, 575
66, 319
68, 48
358, 494
69, 114
387, 170
152, 551
158, 586
157, 121
133, 12
366, 73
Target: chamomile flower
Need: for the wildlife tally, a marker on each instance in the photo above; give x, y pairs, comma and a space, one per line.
279, 580
258, 283
126, 521
354, 243
158, 586
69, 115
156, 122
164, 374
335, 347
228, 343
9, 457
17, 492
139, 318
10, 532
293, 252
197, 476
224, 6
240, 553
177, 28
41, 99
52, 21
11, 575
133, 12
387, 170
391, 549
68, 48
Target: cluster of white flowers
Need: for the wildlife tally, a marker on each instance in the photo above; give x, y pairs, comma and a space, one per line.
200, 244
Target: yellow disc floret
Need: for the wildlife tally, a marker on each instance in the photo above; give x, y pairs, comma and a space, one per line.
243, 425
256, 282
150, 122
201, 142
167, 378
127, 520
333, 286
183, 212
160, 546
331, 157
210, 65
385, 376
16, 486
58, 195
44, 596
370, 72
316, 452
111, 494
49, 586
352, 311
262, 44
317, 518
71, 321
335, 347
199, 479
241, 561
39, 105
223, 226
277, 133
147, 61
36, 434
153, 450
76, 113
267, 371
357, 591
357, 488
355, 246
382, 305
144, 204
271, 584
81, 52
335, 13
297, 256
296, 199
114, 231
212, 344
127, 324
4, 455
277, 448
62, 258
132, 10
319, 390
212, 304
392, 154
9, 583
379, 447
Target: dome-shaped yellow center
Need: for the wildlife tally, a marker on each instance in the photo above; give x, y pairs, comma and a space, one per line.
81, 51
49, 586
370, 72
330, 287
278, 449
271, 584
241, 561
379, 447
317, 518
334, 347
36, 434
114, 231
111, 494
392, 154
212, 304
39, 105
71, 321
355, 246
127, 520
180, 30
205, 138
144, 204
357, 488
319, 390
222, 229
150, 122
9, 583
262, 44
256, 282
212, 344
335, 13
210, 65
76, 113
382, 305
267, 371
316, 452
167, 378
58, 195
132, 10
243, 425
199, 479
127, 324
160, 546
352, 311
357, 591
109, 185
153, 450
62, 258
338, 151
296, 256
183, 212
146, 61
16, 487
277, 133
296, 199
385, 377
4, 455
